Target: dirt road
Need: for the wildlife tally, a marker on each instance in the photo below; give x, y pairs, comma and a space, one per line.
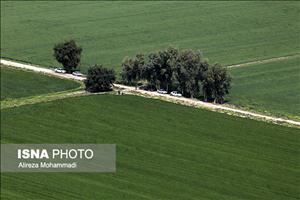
40, 69
264, 61
180, 100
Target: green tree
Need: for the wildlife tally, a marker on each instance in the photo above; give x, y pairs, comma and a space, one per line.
167, 62
99, 79
189, 72
216, 84
132, 69
68, 54
160, 67
149, 73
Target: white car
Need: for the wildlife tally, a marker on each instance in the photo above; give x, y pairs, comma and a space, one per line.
176, 94
60, 70
77, 73
161, 91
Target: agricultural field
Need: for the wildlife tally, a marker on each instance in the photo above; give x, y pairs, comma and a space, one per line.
226, 32
17, 83
164, 151
271, 87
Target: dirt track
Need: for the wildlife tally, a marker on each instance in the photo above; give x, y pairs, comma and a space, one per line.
263, 61
180, 100
40, 70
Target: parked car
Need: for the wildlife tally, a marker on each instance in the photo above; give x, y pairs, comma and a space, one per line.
60, 70
176, 94
77, 73
161, 91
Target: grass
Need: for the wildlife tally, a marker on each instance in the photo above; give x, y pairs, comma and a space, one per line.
272, 87
164, 151
227, 32
19, 83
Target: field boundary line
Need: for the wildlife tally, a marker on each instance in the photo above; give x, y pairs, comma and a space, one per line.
269, 60
10, 103
179, 100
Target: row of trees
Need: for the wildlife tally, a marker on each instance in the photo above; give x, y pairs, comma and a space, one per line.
169, 69
186, 71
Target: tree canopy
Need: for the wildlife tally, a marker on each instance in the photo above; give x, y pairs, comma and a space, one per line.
68, 54
216, 83
185, 71
132, 69
99, 79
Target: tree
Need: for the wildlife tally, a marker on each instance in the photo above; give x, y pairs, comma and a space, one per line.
154, 67
149, 74
167, 63
99, 79
68, 54
132, 69
189, 72
160, 67
216, 84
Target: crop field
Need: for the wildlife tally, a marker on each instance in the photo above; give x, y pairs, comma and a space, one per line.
19, 83
227, 32
273, 87
164, 151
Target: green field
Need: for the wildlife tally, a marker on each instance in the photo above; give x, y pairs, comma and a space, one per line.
227, 32
164, 151
271, 87
19, 83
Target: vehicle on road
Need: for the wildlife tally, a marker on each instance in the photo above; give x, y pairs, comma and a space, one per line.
176, 94
77, 73
161, 91
60, 70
